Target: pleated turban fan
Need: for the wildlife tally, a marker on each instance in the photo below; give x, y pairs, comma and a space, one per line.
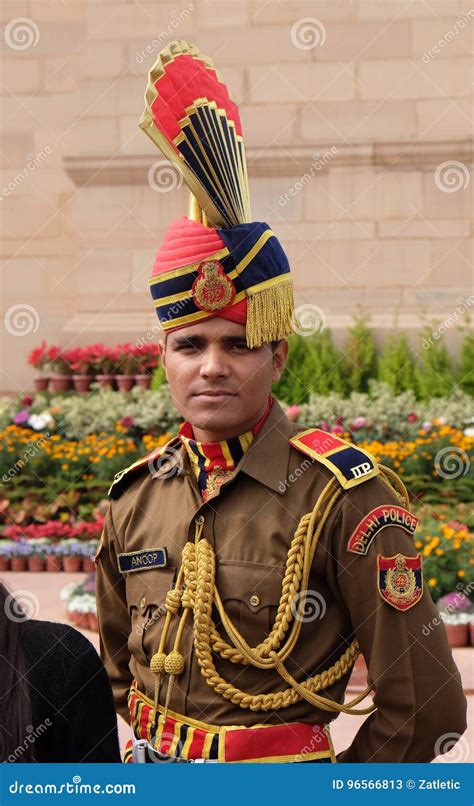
215, 261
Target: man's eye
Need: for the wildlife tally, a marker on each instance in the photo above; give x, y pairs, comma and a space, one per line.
239, 346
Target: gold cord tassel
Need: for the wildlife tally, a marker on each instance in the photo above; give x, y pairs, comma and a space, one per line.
269, 313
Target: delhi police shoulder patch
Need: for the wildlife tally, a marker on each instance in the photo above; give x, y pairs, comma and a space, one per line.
400, 580
376, 520
350, 464
142, 560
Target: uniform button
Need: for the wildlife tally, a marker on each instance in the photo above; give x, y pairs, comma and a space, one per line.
255, 600
200, 519
143, 602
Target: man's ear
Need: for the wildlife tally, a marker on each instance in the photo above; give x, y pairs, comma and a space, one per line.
279, 359
162, 346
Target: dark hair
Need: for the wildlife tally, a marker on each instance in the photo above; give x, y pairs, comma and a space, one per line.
15, 700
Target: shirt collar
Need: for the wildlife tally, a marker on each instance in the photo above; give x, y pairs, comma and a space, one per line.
266, 460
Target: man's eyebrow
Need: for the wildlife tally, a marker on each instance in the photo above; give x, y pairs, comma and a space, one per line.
232, 339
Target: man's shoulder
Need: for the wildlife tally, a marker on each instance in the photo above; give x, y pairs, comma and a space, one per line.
350, 464
162, 460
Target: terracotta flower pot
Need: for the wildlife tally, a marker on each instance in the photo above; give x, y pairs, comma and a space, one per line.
40, 383
88, 564
105, 380
72, 564
36, 563
82, 383
83, 620
60, 383
125, 382
92, 619
73, 616
54, 563
471, 632
143, 381
458, 634
4, 564
18, 563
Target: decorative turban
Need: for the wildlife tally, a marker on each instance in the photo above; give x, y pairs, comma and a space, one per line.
215, 261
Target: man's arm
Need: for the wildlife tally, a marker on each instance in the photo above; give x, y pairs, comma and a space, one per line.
113, 617
418, 691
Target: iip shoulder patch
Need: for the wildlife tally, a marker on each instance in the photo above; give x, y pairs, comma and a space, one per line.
376, 520
350, 464
400, 580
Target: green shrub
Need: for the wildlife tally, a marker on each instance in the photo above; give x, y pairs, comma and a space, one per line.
360, 363
466, 365
436, 376
397, 366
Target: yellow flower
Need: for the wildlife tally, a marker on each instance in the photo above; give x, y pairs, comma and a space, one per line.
432, 582
461, 573
439, 552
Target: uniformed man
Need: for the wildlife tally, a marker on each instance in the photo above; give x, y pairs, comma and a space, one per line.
245, 565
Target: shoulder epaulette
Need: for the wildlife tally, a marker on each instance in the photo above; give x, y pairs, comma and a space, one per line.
123, 478
350, 464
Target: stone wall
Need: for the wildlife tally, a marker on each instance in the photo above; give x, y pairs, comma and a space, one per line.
357, 119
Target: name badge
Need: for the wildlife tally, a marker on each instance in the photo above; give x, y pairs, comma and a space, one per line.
142, 560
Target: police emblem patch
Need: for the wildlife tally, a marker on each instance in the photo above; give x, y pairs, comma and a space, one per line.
376, 520
142, 560
212, 290
400, 580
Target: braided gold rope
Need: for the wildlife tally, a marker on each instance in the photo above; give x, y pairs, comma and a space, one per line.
200, 594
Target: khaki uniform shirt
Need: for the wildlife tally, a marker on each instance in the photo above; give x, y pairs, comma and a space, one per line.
250, 524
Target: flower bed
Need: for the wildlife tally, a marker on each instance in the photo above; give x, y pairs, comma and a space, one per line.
116, 367
52, 546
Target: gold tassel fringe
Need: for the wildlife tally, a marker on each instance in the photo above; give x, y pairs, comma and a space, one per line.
269, 313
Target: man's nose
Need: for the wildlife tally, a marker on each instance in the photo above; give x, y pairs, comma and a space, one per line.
214, 363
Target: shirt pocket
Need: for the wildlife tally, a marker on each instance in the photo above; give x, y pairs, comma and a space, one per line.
146, 595
250, 593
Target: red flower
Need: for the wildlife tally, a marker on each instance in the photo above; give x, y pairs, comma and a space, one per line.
412, 418
27, 400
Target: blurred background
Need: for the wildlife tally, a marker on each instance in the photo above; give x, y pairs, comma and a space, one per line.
357, 118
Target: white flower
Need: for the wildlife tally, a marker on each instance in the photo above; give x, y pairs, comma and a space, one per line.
40, 421
469, 432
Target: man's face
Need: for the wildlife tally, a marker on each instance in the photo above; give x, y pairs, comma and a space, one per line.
216, 382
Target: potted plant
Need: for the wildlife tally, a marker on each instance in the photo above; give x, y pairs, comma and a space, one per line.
147, 356
126, 365
457, 628
54, 560
78, 610
81, 362
20, 551
37, 556
6, 547
89, 549
38, 359
72, 561
61, 371
104, 359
